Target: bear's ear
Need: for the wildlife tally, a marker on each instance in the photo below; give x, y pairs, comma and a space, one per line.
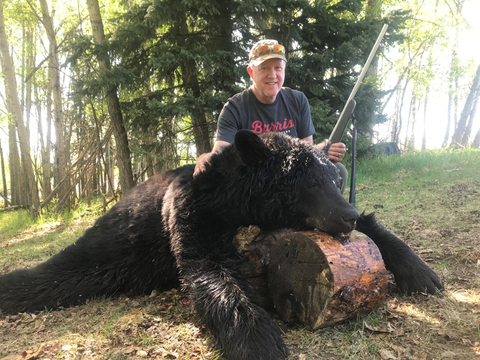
250, 147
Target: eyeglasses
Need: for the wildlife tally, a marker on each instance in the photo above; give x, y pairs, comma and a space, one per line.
267, 49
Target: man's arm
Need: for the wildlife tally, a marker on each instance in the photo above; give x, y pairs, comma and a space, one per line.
205, 158
308, 140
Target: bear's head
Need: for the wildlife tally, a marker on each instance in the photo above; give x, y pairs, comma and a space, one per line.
288, 183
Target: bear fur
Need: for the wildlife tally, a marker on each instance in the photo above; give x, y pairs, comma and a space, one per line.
175, 229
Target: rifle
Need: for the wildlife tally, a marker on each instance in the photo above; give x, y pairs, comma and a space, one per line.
347, 113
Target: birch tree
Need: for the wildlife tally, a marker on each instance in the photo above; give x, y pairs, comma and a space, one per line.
17, 113
56, 90
464, 127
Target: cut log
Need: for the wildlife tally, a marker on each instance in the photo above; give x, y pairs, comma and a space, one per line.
311, 277
320, 280
254, 248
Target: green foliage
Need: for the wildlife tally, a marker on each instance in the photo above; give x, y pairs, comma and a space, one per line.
174, 59
158, 47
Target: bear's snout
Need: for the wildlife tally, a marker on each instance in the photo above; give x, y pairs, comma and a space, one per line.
350, 218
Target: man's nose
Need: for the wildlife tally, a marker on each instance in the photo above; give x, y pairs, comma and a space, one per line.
271, 74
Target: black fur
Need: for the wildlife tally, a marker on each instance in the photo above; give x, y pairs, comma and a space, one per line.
411, 273
175, 228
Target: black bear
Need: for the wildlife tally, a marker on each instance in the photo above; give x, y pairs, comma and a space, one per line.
175, 229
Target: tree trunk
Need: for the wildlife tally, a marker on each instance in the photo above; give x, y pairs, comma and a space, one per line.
397, 126
471, 117
226, 43
123, 152
449, 116
411, 141
44, 146
54, 85
16, 110
461, 132
165, 154
30, 64
373, 10
424, 137
476, 141
4, 178
411, 110
190, 82
14, 165
452, 91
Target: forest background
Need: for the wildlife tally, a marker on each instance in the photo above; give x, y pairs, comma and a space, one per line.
96, 96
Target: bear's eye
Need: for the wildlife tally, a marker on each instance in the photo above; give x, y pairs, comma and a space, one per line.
313, 181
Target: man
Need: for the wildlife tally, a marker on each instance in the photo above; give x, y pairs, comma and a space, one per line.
268, 106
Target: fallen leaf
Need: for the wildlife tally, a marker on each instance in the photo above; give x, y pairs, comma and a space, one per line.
449, 355
387, 355
29, 355
476, 348
387, 329
425, 251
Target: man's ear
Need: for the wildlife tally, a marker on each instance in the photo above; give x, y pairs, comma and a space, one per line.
251, 149
250, 71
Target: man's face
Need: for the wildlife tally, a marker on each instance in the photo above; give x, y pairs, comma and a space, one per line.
267, 79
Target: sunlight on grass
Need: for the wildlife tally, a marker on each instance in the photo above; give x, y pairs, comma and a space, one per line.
469, 296
414, 312
24, 241
12, 222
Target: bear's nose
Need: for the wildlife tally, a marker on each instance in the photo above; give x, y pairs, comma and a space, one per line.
350, 218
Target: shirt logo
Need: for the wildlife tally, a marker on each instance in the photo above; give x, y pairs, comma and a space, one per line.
258, 127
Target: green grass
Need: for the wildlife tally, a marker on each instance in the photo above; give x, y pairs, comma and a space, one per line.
424, 187
27, 240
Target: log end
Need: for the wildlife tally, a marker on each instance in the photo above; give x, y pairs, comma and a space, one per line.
320, 280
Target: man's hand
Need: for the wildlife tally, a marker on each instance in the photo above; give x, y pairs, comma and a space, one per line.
337, 152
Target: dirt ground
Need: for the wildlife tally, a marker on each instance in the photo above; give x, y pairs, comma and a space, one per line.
165, 326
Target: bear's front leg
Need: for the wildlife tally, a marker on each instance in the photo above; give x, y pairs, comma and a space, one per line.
411, 273
242, 329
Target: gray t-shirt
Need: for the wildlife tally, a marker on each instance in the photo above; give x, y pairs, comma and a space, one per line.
289, 114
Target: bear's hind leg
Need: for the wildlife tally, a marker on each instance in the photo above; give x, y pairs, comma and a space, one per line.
411, 273
58, 282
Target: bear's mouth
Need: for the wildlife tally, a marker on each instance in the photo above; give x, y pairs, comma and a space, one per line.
325, 226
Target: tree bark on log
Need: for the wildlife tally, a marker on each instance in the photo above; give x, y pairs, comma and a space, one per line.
312, 277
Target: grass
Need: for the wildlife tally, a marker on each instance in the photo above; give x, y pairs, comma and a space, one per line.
416, 187
430, 199
24, 241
